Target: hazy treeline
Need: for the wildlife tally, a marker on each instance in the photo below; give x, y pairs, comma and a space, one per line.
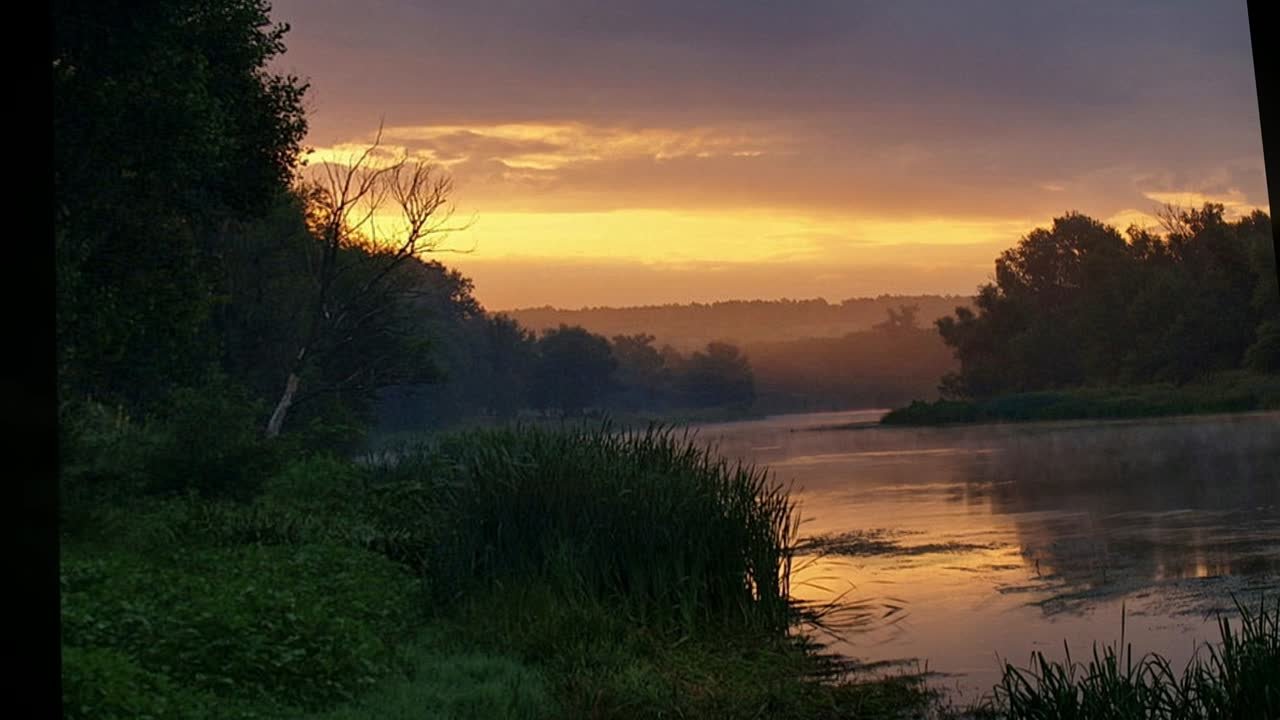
494, 367
742, 322
895, 362
1080, 304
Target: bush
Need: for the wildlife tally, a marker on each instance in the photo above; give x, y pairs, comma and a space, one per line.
935, 413
103, 453
106, 684
205, 439
1264, 354
319, 483
213, 443
305, 626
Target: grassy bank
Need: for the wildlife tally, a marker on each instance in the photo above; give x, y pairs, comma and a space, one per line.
502, 573
1235, 392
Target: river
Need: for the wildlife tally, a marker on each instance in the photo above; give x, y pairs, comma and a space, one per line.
951, 548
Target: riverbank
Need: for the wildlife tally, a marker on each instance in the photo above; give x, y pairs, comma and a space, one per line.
1228, 393
512, 573
509, 573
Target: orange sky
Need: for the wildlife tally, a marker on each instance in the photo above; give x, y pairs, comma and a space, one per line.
713, 150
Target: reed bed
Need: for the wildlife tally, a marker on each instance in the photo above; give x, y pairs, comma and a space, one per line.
650, 521
1238, 678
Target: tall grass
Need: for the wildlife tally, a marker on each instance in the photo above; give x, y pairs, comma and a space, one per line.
1238, 679
649, 520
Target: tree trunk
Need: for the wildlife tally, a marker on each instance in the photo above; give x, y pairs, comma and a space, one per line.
282, 407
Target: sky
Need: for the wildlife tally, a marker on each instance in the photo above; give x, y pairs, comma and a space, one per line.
622, 153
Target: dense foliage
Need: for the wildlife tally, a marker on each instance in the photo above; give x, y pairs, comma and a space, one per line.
168, 128
1080, 304
522, 573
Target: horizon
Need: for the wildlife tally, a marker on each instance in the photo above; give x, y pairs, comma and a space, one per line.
703, 151
733, 301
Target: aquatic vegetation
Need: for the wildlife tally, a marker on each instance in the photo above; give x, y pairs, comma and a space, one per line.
1238, 678
879, 542
649, 519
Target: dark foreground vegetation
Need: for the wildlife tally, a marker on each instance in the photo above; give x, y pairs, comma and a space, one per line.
516, 573
522, 573
1238, 677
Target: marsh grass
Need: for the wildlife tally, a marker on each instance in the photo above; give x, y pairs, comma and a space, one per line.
648, 520
1236, 679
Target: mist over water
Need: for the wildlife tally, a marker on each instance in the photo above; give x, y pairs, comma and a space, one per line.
961, 545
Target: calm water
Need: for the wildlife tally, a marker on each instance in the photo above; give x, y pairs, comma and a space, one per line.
962, 545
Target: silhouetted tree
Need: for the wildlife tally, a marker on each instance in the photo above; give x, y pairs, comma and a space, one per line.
511, 352
721, 376
899, 320
643, 377
574, 370
355, 263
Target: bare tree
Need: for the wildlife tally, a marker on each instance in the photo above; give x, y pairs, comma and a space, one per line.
353, 263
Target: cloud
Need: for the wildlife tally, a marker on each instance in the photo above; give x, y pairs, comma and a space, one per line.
827, 128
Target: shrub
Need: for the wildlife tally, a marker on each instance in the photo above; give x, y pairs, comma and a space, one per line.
304, 625
213, 443
937, 412
106, 684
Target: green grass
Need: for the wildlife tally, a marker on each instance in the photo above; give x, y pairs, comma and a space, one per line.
1236, 679
1226, 393
523, 573
448, 682
280, 626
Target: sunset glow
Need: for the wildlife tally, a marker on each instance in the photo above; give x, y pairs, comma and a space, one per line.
654, 143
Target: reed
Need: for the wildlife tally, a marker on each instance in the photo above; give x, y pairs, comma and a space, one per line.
649, 520
1237, 678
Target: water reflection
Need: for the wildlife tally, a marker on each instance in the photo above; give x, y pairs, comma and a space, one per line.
1009, 538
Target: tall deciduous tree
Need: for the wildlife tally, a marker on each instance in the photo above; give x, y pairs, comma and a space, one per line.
167, 125
371, 217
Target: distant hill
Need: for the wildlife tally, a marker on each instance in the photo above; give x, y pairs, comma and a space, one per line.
742, 322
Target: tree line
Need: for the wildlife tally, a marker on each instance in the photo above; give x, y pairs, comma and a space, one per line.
197, 255
742, 322
1080, 304
494, 367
